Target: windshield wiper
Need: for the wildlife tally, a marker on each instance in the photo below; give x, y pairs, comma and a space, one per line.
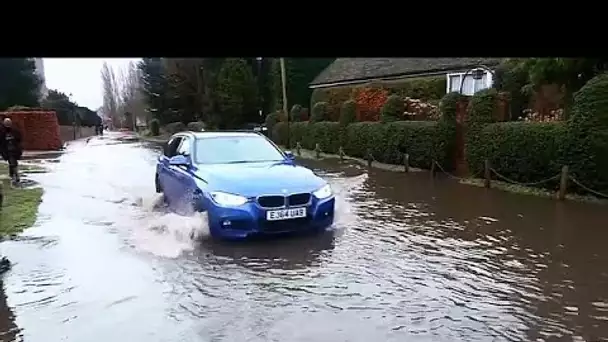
238, 162
251, 161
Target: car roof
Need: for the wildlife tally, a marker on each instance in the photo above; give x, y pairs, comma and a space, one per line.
227, 134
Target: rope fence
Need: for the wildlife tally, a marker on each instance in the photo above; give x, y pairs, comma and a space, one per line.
488, 172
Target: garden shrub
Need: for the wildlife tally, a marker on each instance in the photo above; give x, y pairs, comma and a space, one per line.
393, 109
446, 125
297, 130
586, 148
480, 113
154, 127
175, 127
333, 97
295, 114
196, 126
319, 112
348, 112
523, 151
271, 120
424, 88
326, 134
369, 102
388, 142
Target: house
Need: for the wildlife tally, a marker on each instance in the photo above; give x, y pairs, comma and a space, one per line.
353, 71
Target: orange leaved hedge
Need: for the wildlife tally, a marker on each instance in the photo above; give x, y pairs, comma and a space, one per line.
39, 129
369, 102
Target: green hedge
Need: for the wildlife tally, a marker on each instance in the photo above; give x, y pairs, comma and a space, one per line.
389, 141
327, 134
587, 145
523, 151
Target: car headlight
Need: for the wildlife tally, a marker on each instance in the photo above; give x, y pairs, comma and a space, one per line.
228, 200
323, 192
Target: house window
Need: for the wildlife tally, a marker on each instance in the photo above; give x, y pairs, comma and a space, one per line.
471, 85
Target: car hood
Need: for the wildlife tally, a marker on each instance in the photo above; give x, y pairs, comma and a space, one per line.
254, 179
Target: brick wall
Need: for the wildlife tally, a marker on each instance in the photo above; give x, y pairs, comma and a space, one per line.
39, 129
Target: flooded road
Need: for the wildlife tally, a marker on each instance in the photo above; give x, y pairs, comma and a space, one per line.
409, 259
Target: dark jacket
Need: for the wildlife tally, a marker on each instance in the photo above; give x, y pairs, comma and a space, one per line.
10, 143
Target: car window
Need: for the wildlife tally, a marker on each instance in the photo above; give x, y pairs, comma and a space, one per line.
171, 147
185, 147
236, 149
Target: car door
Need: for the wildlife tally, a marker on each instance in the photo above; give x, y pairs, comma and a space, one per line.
185, 185
166, 175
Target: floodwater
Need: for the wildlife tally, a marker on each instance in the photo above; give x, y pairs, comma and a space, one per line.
409, 259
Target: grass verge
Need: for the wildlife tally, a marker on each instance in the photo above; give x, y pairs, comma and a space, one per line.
526, 190
20, 206
19, 209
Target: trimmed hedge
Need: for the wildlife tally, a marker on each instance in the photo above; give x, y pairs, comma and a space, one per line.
175, 127
348, 112
388, 142
480, 113
523, 151
587, 144
196, 126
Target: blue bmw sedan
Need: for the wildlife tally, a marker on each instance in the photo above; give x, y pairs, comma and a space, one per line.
245, 184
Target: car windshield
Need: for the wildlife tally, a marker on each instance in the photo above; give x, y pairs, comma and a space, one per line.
231, 150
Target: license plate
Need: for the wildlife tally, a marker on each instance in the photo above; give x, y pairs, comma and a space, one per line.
285, 214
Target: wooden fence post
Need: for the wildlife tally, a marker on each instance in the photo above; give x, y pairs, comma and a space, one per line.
1, 194
487, 175
318, 150
406, 162
563, 183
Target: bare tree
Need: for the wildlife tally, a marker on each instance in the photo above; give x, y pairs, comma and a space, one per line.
110, 92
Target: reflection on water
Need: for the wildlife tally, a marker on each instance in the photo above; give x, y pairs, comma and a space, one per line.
409, 259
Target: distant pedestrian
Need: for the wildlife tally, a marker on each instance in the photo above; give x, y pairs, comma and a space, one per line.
10, 148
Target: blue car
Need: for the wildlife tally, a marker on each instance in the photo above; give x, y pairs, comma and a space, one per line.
246, 184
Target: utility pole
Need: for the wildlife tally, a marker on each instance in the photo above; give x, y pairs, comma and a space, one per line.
284, 81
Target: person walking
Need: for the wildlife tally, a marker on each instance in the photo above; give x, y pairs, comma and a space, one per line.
10, 148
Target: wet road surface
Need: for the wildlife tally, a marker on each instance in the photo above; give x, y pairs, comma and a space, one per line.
409, 259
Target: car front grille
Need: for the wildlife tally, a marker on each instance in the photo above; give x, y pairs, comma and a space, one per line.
298, 199
277, 201
271, 201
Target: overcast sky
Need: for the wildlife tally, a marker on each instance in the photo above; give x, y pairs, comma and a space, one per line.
81, 77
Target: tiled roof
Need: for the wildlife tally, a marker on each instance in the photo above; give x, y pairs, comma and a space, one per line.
347, 69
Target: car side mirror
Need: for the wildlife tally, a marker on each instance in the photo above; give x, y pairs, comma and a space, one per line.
290, 155
179, 160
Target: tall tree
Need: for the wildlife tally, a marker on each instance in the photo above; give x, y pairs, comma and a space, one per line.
155, 87
187, 88
19, 83
236, 93
111, 94
62, 105
132, 99
299, 73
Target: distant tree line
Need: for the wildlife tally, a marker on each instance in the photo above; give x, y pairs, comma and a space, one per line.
223, 92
